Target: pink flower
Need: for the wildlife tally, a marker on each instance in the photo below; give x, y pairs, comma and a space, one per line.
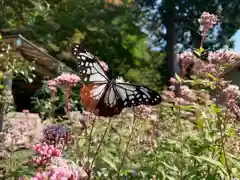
187, 94
46, 152
173, 81
182, 102
52, 85
67, 79
145, 111
26, 111
221, 57
186, 58
207, 20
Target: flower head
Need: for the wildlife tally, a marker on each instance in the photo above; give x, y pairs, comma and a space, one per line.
207, 20
56, 134
221, 57
45, 152
186, 58
52, 85
67, 79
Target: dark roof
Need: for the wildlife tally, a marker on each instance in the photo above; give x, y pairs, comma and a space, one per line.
46, 65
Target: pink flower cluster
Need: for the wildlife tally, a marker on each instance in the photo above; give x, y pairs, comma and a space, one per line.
146, 112
213, 66
46, 152
231, 94
186, 58
66, 79
187, 95
207, 20
52, 85
61, 169
52, 174
221, 57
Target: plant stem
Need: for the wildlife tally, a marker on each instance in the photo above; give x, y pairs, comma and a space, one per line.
68, 92
222, 146
99, 145
128, 143
89, 139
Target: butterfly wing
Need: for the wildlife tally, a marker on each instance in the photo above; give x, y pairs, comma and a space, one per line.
89, 67
97, 93
134, 95
104, 98
101, 99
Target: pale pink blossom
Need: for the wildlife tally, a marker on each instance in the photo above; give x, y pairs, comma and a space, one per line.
52, 85
67, 79
187, 94
208, 20
221, 57
173, 81
186, 58
182, 102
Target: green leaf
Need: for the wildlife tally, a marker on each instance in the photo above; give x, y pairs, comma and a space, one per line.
215, 108
107, 159
212, 162
200, 123
222, 158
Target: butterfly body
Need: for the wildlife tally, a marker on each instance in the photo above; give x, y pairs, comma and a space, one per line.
105, 96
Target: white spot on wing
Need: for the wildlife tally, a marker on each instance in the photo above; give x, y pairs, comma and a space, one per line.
97, 77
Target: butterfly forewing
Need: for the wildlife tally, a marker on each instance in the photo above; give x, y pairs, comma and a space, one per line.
89, 68
134, 95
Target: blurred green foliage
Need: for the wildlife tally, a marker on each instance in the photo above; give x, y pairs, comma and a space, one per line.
111, 32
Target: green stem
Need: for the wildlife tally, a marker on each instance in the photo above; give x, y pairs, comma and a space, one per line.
99, 145
128, 143
223, 145
89, 139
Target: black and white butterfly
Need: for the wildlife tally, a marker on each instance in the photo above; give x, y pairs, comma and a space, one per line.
103, 95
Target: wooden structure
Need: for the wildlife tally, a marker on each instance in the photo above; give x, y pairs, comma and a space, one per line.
233, 73
46, 67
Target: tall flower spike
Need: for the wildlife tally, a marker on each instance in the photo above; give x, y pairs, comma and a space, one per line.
207, 20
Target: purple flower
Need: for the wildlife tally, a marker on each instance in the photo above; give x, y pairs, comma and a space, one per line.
56, 134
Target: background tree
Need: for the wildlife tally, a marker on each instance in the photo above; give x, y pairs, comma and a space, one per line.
111, 32
174, 24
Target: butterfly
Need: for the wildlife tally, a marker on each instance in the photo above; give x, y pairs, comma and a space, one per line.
103, 95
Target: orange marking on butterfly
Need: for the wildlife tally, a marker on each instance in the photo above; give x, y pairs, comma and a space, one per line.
87, 97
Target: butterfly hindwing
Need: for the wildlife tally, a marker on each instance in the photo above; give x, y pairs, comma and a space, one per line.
134, 95
101, 100
89, 68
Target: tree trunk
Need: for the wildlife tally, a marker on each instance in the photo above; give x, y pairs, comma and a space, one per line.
169, 21
7, 81
171, 39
